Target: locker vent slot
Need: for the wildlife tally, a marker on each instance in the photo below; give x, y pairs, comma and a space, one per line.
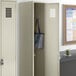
8, 12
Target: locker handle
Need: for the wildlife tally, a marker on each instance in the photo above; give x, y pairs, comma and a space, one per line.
2, 62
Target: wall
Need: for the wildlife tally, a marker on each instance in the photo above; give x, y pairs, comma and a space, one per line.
68, 1
61, 47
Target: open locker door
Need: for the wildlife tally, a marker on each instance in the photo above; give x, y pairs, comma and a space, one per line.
26, 22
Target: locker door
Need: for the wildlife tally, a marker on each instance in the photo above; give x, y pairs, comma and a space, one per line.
8, 38
0, 37
26, 47
52, 39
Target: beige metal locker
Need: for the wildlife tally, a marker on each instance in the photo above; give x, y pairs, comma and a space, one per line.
7, 38
46, 61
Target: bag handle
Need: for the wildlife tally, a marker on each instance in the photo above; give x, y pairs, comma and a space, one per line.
37, 26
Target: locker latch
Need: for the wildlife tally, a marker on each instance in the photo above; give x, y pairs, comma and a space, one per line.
2, 62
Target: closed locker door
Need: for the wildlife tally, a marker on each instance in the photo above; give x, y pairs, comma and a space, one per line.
8, 38
0, 37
